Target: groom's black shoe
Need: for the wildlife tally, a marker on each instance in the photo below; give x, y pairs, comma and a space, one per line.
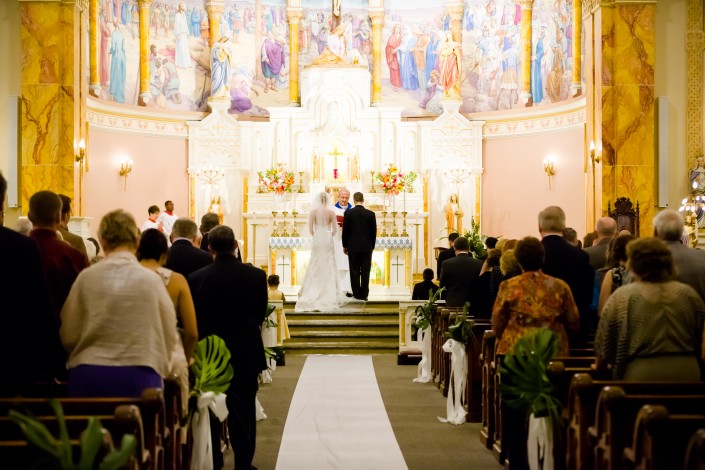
348, 294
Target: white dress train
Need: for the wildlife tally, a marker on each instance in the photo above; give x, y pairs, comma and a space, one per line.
319, 290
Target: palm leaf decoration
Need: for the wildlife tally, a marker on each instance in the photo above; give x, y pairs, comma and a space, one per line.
211, 367
525, 383
461, 330
423, 313
267, 322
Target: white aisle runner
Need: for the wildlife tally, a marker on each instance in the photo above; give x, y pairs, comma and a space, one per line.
337, 419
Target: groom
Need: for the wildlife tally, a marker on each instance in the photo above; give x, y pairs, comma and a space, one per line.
359, 234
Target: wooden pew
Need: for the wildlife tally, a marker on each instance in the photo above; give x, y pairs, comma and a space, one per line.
473, 391
615, 416
125, 419
442, 359
694, 455
497, 450
176, 453
661, 438
489, 340
582, 402
151, 408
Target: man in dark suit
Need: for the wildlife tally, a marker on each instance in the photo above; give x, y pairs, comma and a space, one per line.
606, 229
34, 330
359, 236
569, 263
460, 276
72, 239
448, 253
231, 301
208, 221
185, 255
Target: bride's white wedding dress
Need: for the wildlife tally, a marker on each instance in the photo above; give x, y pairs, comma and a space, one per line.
319, 290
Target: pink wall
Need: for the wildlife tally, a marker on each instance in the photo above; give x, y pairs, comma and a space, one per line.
159, 173
515, 187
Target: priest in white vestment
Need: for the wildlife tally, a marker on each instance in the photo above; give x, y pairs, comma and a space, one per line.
341, 259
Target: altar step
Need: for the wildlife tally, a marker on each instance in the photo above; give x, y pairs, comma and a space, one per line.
373, 329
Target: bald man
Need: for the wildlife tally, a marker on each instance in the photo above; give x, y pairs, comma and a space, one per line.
341, 259
606, 229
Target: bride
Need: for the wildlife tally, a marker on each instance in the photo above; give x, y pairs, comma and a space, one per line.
319, 290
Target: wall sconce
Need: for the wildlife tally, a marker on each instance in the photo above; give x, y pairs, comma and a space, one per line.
549, 167
80, 158
125, 169
594, 160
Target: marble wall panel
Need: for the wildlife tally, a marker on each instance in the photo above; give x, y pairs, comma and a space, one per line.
43, 43
41, 119
634, 44
604, 46
69, 122
635, 126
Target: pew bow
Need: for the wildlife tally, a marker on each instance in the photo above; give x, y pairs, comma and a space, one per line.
458, 377
202, 445
424, 367
540, 443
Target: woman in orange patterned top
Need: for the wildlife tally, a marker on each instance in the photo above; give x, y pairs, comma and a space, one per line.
532, 300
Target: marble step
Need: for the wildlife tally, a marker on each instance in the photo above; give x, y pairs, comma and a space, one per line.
392, 332
343, 323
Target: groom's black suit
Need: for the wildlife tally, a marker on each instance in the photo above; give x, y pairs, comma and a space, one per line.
359, 235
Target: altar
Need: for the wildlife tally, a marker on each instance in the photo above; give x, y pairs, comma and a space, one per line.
390, 275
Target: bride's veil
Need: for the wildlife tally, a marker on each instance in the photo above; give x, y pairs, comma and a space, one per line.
320, 200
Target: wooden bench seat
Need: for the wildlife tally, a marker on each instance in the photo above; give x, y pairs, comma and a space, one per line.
489, 340
694, 455
661, 438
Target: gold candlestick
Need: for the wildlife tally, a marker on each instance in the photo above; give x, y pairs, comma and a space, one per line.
294, 233
372, 182
394, 224
275, 233
301, 181
404, 232
384, 224
285, 232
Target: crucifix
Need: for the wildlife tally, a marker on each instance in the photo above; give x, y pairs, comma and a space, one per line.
336, 14
282, 265
335, 154
396, 264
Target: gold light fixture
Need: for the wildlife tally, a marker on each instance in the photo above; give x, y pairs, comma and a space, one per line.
80, 158
549, 167
125, 169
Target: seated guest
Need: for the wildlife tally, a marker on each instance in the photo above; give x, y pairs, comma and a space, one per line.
151, 253
616, 270
118, 323
273, 292
208, 221
421, 289
448, 253
651, 328
460, 276
533, 300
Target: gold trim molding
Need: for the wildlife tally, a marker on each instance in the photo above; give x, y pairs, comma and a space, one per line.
694, 47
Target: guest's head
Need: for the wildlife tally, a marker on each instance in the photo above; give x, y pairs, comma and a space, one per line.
208, 221
461, 245
606, 227
428, 274
45, 210
358, 198
273, 280
452, 237
118, 230
152, 245
509, 245
617, 250
668, 225
491, 242
589, 239
529, 253
508, 263
185, 228
66, 211
24, 225
493, 257
221, 240
571, 236
551, 221
650, 260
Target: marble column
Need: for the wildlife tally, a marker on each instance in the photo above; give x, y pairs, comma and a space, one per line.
527, 43
50, 95
576, 85
145, 95
93, 47
377, 19
623, 44
294, 15
215, 10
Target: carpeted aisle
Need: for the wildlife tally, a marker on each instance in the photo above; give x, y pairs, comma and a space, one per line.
337, 419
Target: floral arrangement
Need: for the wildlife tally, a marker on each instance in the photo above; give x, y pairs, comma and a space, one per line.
476, 241
276, 180
394, 181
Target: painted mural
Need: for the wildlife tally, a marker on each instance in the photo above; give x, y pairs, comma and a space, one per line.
415, 36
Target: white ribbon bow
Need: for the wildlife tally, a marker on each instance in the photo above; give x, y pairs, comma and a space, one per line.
458, 377
424, 368
202, 453
540, 443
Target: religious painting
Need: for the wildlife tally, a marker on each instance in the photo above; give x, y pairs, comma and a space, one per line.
119, 50
413, 34
316, 26
259, 34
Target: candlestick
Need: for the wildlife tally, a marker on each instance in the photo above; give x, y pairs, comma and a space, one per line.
404, 232
372, 182
394, 224
285, 232
294, 233
275, 233
301, 181
384, 224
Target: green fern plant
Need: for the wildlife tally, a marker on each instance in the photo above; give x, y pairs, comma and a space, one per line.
525, 383
461, 330
58, 453
476, 241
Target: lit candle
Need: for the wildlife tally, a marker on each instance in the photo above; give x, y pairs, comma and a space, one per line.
404, 201
394, 203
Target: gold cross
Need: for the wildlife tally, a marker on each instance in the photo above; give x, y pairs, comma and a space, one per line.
335, 153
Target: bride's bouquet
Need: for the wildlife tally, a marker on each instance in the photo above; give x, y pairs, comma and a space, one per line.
394, 181
276, 180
